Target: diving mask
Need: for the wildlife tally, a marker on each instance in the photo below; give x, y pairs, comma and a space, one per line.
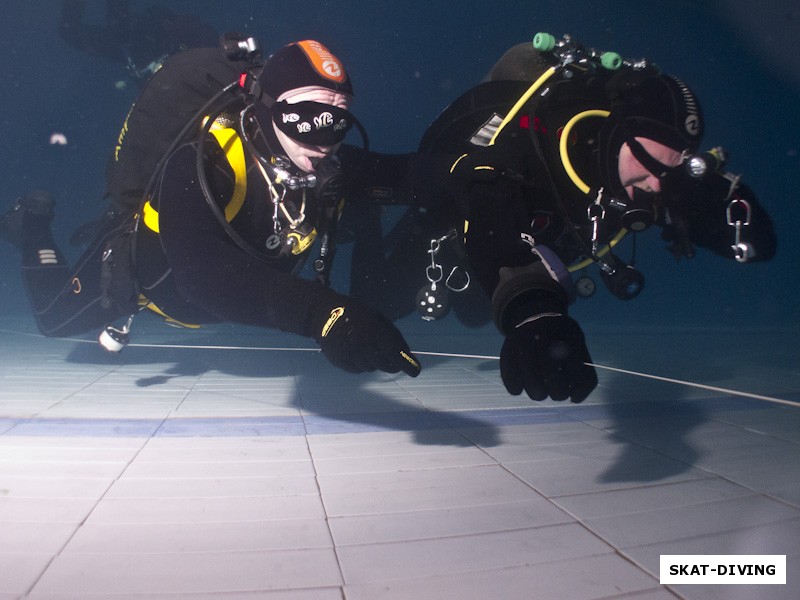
312, 123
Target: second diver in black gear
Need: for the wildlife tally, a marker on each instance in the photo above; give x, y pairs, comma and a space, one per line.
535, 175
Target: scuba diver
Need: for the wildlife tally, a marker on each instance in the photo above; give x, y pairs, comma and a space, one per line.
530, 178
141, 42
224, 176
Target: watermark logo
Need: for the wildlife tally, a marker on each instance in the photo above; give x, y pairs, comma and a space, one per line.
715, 569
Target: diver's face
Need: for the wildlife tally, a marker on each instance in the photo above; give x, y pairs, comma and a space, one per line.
634, 176
306, 156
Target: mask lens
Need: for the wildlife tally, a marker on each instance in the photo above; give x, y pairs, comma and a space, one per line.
312, 123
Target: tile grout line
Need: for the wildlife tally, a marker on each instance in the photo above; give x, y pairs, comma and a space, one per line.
577, 521
706, 470
72, 394
301, 411
426, 409
731, 423
60, 551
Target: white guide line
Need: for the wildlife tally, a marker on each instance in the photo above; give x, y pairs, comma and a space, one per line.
699, 385
482, 357
475, 356
646, 376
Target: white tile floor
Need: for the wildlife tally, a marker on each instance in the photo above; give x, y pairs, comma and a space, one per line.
217, 473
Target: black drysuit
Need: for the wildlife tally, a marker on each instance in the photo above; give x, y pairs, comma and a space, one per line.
521, 185
216, 239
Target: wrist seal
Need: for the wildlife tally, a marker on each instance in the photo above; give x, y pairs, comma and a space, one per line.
523, 292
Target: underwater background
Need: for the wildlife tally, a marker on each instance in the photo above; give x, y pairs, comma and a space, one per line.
408, 60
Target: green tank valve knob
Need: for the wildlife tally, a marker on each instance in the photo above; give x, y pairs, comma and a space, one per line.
611, 60
544, 42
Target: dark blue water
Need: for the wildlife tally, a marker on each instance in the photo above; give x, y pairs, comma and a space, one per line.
408, 59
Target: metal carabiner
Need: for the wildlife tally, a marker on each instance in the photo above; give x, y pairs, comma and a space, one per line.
449, 277
277, 203
596, 213
742, 251
434, 274
434, 271
748, 212
435, 246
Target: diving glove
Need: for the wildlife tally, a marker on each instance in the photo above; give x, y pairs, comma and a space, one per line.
356, 338
546, 355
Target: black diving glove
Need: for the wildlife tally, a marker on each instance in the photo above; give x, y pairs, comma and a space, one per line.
356, 338
545, 356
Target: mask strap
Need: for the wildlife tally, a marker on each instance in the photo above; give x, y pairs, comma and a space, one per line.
655, 167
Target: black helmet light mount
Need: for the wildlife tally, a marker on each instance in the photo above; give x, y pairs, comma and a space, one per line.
238, 46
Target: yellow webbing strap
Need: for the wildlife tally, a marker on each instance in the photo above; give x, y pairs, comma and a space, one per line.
231, 145
169, 320
150, 216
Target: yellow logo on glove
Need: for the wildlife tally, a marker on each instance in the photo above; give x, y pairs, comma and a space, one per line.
335, 314
409, 359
